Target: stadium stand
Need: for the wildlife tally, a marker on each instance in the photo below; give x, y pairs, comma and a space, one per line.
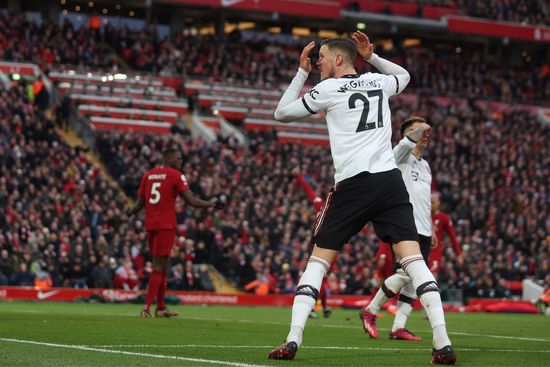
65, 219
473, 189
519, 11
61, 218
143, 104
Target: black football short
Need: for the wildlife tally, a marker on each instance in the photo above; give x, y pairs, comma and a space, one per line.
378, 197
425, 246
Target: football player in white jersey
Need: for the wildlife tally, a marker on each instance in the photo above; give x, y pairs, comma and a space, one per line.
368, 186
418, 180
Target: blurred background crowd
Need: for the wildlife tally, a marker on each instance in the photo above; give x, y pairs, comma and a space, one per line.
62, 220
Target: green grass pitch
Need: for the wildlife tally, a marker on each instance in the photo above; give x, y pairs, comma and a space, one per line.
62, 334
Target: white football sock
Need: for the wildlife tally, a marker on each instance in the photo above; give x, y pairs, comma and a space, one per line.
305, 299
404, 309
393, 285
424, 283
377, 301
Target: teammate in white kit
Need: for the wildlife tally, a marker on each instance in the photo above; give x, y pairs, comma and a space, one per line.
368, 186
418, 180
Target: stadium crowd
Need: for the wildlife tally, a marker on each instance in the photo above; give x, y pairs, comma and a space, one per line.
266, 63
517, 11
267, 221
490, 168
61, 218
262, 62
62, 221
48, 43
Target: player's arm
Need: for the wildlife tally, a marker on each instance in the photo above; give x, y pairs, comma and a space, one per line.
366, 50
136, 208
290, 108
311, 194
403, 150
140, 203
194, 201
381, 261
451, 232
434, 241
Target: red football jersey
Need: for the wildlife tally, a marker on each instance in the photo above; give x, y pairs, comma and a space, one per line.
442, 223
384, 253
159, 189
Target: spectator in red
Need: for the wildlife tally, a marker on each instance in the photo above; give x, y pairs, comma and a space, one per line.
126, 277
158, 191
442, 224
260, 285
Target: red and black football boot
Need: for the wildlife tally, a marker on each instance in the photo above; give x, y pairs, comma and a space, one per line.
369, 322
445, 355
166, 313
404, 334
284, 351
145, 314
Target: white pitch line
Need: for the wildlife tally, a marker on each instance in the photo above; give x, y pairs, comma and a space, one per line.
502, 337
344, 327
158, 356
26, 311
383, 329
309, 347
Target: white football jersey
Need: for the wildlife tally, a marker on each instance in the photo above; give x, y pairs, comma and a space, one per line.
418, 179
359, 121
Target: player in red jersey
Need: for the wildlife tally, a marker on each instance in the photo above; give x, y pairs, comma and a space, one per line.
442, 223
384, 264
318, 204
158, 191
384, 269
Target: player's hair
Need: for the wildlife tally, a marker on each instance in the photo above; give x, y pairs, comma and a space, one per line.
345, 45
408, 123
169, 152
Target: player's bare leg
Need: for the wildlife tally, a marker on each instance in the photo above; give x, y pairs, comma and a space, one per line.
409, 256
304, 301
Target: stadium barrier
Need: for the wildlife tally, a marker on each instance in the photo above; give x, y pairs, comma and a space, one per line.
9, 293
121, 295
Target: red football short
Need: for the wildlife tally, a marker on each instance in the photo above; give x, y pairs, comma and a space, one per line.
161, 241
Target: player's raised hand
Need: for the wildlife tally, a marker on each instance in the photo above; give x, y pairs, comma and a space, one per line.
305, 61
364, 47
434, 242
427, 130
219, 202
420, 132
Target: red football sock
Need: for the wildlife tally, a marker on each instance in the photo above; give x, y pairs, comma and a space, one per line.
152, 290
162, 292
323, 297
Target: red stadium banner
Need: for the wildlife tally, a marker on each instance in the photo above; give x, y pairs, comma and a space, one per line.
21, 68
405, 9
239, 299
498, 29
309, 8
194, 298
64, 294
